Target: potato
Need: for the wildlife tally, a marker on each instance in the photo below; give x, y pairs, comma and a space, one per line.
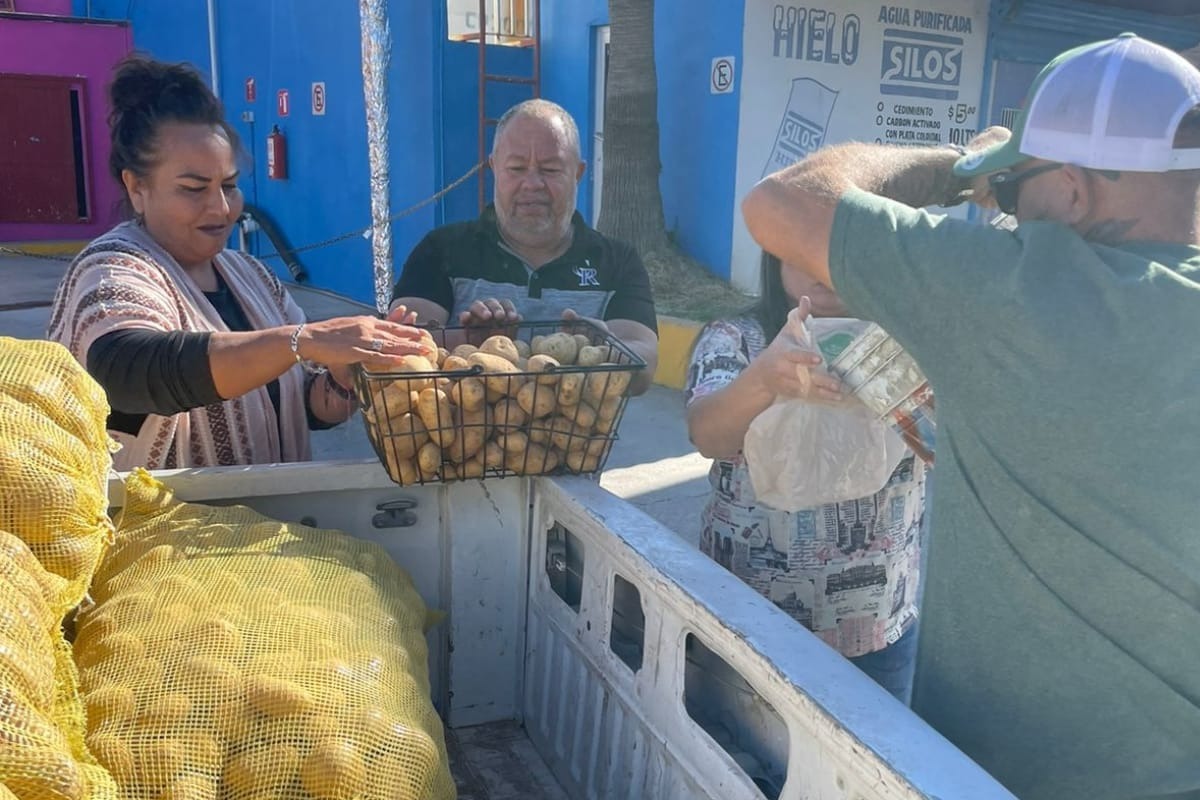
512, 442
464, 350
565, 434
428, 339
429, 459
391, 400
496, 371
414, 364
502, 346
492, 456
433, 406
560, 346
581, 461
335, 769
523, 348
539, 431
469, 394
536, 460
542, 364
473, 432
471, 468
523, 364
603, 385
536, 400
404, 435
603, 425
403, 471
277, 697
494, 396
581, 340
609, 408
534, 343
597, 446
507, 415
455, 364
590, 356
582, 415
570, 389
442, 355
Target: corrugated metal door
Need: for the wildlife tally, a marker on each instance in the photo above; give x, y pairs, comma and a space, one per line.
41, 150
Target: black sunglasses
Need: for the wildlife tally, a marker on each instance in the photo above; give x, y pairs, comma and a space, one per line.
1006, 186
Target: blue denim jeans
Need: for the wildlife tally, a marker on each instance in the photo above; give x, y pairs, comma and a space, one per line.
893, 667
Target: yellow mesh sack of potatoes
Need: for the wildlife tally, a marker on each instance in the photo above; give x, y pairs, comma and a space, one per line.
42, 752
54, 461
233, 656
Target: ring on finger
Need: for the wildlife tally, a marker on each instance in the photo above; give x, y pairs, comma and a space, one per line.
376, 345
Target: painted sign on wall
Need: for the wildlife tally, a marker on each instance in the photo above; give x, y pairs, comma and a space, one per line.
851, 70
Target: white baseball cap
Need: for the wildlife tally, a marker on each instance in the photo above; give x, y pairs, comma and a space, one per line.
1111, 105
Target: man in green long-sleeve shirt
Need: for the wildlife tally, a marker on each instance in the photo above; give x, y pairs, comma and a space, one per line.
1061, 625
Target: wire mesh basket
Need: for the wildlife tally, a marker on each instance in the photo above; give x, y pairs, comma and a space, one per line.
537, 398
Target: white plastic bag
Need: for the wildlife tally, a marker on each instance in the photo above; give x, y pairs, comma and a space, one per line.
803, 453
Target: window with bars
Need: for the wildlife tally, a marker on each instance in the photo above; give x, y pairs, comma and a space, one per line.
509, 22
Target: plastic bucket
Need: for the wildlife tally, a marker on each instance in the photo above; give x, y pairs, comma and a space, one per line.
888, 381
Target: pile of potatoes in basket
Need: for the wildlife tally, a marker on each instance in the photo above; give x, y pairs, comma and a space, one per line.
537, 406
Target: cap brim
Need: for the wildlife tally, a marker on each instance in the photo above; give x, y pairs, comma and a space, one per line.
992, 159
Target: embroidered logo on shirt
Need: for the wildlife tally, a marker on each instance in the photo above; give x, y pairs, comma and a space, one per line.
587, 276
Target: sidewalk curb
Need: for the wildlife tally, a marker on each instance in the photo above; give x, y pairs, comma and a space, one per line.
675, 338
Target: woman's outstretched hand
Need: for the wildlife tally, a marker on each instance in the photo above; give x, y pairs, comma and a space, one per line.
377, 344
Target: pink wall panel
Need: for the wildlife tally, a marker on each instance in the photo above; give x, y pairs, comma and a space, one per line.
58, 7
83, 50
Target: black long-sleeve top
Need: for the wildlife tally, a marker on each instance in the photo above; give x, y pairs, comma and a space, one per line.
167, 372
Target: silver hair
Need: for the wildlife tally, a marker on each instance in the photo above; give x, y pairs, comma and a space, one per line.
541, 109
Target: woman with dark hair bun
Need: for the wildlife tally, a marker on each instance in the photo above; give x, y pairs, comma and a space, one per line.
848, 571
206, 358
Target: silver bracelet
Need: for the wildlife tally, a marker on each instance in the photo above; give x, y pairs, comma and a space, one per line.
296, 341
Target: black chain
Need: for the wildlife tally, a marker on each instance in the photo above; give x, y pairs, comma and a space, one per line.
316, 245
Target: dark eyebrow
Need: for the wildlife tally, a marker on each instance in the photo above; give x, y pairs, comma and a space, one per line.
204, 178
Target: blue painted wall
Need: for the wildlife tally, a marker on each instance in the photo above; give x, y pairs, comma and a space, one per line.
568, 59
459, 136
289, 44
433, 99
698, 129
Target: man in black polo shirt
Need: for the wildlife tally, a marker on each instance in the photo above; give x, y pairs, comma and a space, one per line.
530, 255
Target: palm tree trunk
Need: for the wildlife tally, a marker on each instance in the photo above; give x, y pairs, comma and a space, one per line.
631, 202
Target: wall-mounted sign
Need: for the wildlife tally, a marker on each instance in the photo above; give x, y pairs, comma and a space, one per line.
851, 71
251, 90
282, 104
720, 76
318, 99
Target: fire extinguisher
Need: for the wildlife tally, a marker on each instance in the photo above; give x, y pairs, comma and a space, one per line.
276, 154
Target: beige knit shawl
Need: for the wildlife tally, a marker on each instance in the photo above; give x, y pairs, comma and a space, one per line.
125, 280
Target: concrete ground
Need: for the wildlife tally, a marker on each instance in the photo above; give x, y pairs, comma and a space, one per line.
653, 465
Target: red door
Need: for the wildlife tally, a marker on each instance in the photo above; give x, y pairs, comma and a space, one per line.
41, 150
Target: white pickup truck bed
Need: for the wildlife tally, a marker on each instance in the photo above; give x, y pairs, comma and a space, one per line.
588, 652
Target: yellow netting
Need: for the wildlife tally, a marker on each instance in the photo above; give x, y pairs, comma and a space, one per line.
42, 754
54, 461
237, 657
